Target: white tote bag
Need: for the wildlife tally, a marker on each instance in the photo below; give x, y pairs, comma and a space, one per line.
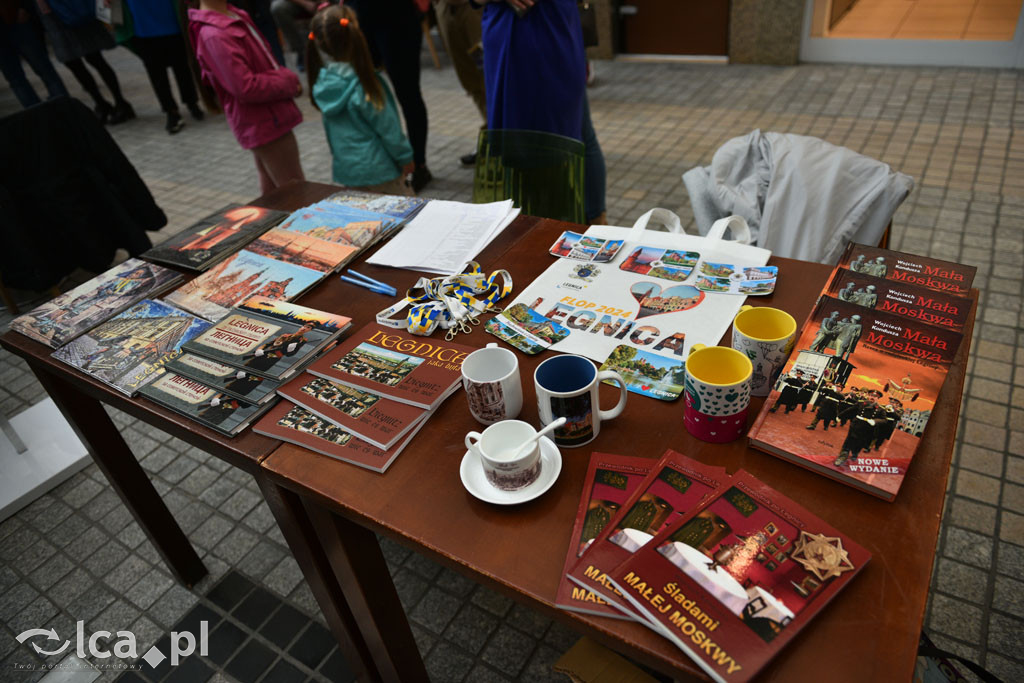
604, 306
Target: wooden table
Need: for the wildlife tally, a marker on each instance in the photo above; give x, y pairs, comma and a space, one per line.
329, 511
869, 632
80, 399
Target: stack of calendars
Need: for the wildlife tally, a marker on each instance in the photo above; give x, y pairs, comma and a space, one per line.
725, 567
867, 368
279, 262
364, 401
228, 373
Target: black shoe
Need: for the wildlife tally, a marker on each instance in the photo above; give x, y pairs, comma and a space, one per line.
468, 159
196, 112
103, 110
174, 123
420, 177
121, 113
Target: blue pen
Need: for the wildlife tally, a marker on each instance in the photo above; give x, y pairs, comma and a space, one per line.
372, 281
373, 288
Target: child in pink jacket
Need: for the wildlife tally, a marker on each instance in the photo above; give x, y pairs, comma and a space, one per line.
255, 92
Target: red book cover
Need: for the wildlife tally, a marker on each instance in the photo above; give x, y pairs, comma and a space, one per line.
732, 583
674, 487
906, 300
420, 371
294, 424
856, 394
368, 416
909, 269
610, 480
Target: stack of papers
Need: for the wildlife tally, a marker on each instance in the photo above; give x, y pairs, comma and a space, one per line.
444, 235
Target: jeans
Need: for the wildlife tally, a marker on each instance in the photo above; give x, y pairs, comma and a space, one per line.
22, 40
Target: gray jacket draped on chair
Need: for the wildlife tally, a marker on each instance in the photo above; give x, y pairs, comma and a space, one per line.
802, 197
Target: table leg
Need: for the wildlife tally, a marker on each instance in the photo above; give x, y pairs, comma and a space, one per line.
112, 455
363, 575
298, 531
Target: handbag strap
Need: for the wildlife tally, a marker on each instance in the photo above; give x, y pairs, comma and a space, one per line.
736, 225
663, 216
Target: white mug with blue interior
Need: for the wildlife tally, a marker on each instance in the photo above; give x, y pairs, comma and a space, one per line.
567, 386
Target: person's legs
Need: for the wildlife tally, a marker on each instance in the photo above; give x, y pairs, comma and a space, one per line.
28, 41
85, 79
594, 172
266, 182
400, 42
278, 162
149, 52
285, 15
10, 66
97, 62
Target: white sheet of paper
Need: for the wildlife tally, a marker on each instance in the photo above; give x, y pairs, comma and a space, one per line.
444, 235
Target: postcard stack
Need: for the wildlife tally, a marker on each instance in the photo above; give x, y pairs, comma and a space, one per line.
364, 401
726, 568
854, 399
228, 373
280, 260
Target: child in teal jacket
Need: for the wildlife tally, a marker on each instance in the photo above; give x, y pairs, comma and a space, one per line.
361, 121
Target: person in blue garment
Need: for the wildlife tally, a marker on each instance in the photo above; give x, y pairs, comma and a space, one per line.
535, 74
159, 43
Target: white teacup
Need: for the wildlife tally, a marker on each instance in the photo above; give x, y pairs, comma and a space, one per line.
498, 449
490, 377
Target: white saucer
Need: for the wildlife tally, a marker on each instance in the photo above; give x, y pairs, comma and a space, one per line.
473, 478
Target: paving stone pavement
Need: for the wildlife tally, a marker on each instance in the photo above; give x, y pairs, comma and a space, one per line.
76, 554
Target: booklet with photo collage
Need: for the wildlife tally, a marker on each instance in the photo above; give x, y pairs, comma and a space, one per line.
675, 486
731, 583
294, 424
371, 417
610, 480
420, 371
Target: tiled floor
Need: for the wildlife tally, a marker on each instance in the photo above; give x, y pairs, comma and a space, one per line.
929, 20
75, 554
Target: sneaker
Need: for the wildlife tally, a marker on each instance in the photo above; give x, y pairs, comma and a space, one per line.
420, 177
122, 112
103, 111
174, 123
468, 159
196, 112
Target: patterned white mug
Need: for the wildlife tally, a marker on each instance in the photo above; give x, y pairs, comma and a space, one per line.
766, 336
717, 392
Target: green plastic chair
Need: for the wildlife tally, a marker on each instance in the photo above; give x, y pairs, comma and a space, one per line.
541, 172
